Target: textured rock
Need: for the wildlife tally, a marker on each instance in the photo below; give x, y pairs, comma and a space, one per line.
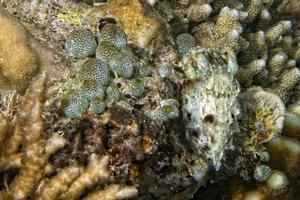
210, 107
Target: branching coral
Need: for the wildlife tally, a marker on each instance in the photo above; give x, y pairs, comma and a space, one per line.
26, 129
113, 192
95, 172
28, 132
225, 34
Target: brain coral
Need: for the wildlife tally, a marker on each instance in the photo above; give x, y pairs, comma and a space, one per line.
18, 61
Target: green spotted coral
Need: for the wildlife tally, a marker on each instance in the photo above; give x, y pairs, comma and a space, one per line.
76, 106
184, 43
114, 34
106, 51
97, 105
137, 88
119, 61
122, 65
90, 89
81, 43
94, 70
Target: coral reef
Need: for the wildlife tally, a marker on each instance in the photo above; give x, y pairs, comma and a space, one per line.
26, 130
149, 99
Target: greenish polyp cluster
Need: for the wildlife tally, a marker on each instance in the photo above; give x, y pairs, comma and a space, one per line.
76, 105
96, 70
94, 75
185, 42
112, 49
168, 110
81, 43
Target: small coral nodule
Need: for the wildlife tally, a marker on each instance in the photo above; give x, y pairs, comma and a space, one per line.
167, 110
292, 121
184, 43
97, 105
277, 181
262, 172
81, 43
94, 70
113, 93
114, 34
77, 104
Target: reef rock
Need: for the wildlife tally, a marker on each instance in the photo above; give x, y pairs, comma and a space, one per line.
209, 106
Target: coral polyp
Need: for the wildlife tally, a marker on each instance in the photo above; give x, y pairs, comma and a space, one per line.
263, 116
81, 43
95, 70
114, 34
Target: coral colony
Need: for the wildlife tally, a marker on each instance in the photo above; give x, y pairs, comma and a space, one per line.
147, 99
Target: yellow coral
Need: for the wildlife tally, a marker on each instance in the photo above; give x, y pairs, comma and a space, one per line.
140, 28
94, 173
263, 117
18, 61
58, 184
112, 192
27, 131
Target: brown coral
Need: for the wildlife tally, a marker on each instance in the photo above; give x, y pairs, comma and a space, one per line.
225, 34
19, 62
27, 130
142, 29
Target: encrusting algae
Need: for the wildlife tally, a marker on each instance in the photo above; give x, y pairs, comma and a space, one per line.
146, 99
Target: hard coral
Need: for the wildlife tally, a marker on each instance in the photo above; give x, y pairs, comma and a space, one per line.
19, 62
81, 43
28, 131
113, 34
225, 34
262, 116
141, 28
